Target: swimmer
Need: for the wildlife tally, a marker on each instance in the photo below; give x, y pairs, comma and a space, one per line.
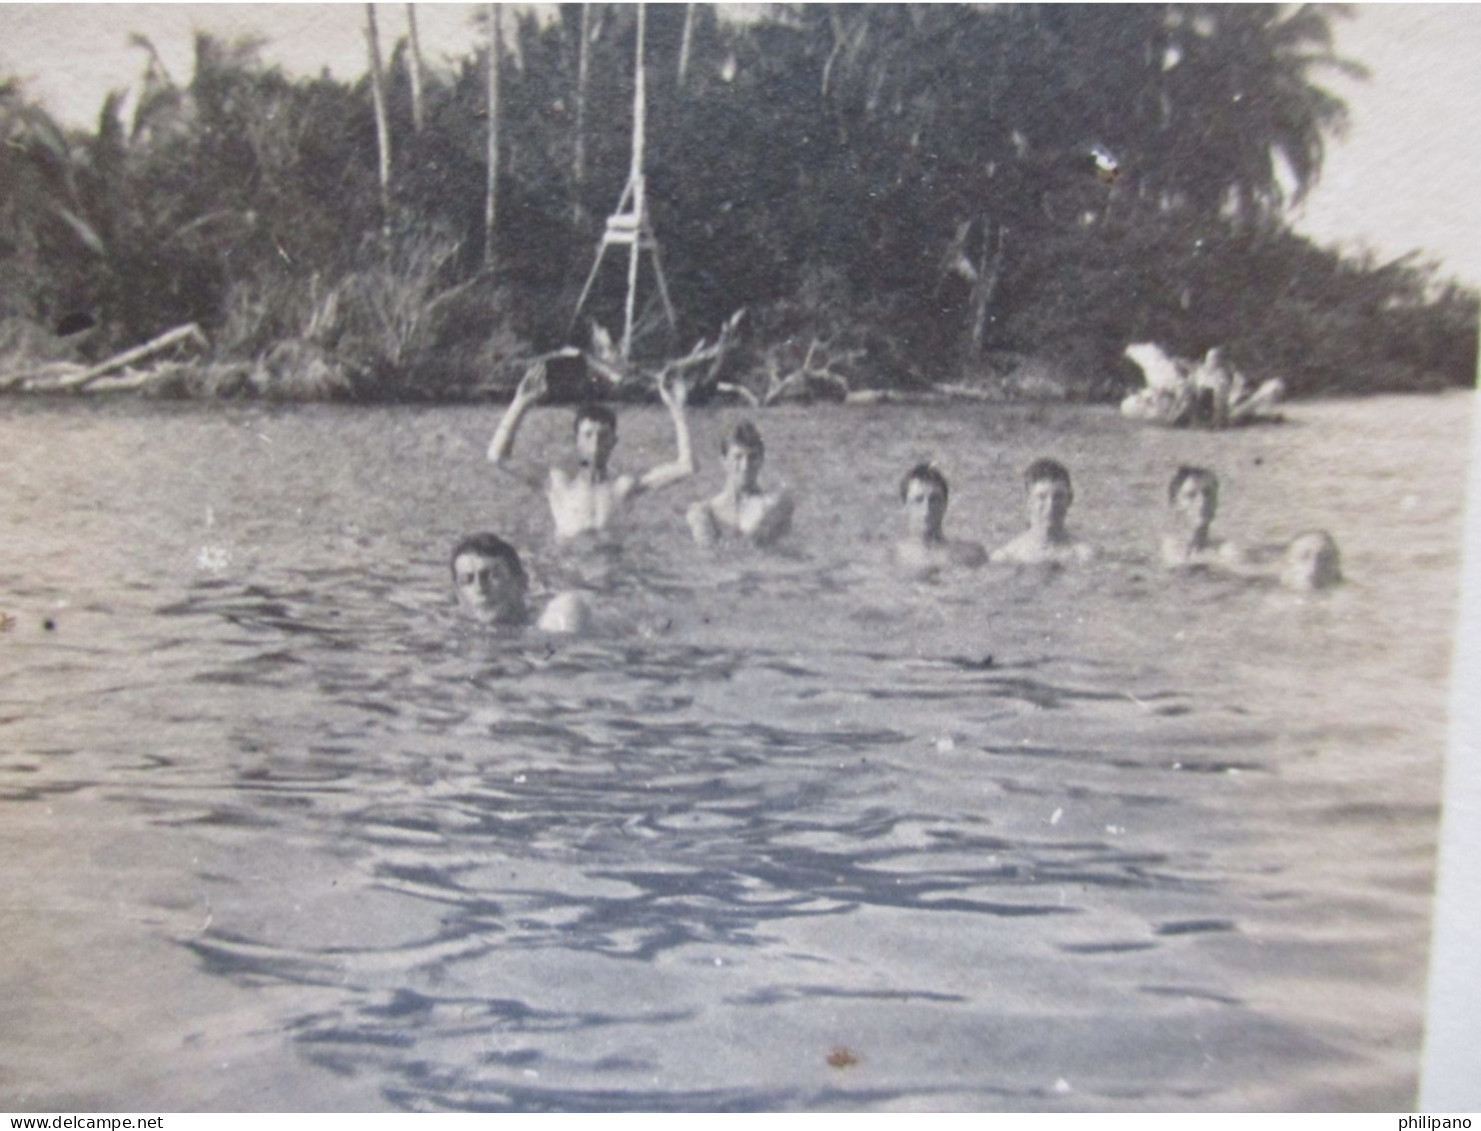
491, 581
742, 508
1311, 562
590, 499
924, 549
1193, 499
1049, 495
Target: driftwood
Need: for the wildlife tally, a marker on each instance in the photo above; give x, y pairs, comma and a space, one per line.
51, 371
956, 391
190, 332
817, 368
741, 391
126, 381
80, 379
820, 365
603, 359
705, 352
891, 396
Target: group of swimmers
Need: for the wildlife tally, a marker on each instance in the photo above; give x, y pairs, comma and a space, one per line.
1310, 561
490, 578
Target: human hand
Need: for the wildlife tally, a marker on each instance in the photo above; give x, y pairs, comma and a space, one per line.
533, 385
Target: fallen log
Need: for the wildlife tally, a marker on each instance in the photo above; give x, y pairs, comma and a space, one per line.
740, 391
956, 391
41, 377
126, 381
889, 396
190, 332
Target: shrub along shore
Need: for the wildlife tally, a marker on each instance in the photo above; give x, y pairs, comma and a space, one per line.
904, 200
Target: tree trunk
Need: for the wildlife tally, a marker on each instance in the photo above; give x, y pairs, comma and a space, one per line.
578, 158
635, 181
985, 289
382, 126
686, 43
415, 69
491, 199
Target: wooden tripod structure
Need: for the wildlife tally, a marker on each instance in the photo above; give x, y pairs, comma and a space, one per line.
630, 226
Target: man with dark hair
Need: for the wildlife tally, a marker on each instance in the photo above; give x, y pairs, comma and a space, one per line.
925, 473
1193, 500
1048, 495
925, 547
491, 581
742, 508
599, 413
1200, 475
590, 499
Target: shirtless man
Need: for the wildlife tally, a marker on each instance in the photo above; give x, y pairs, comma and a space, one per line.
590, 498
742, 509
925, 549
1049, 495
1193, 499
491, 582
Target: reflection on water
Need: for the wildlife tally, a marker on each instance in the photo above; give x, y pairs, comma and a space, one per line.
1021, 839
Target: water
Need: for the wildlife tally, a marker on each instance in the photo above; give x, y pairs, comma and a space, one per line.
281, 830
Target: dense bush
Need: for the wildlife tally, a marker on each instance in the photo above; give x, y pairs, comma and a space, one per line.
898, 194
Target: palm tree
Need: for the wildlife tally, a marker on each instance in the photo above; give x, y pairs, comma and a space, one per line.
1232, 119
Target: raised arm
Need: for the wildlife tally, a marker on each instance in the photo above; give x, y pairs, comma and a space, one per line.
675, 393
530, 390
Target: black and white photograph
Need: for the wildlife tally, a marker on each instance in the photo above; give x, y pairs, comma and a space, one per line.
801, 558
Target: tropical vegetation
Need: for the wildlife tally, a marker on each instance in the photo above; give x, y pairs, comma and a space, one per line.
897, 195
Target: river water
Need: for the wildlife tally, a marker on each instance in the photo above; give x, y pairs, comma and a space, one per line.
282, 830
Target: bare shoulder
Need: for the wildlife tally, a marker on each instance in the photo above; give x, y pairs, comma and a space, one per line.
567, 613
773, 519
1233, 554
1014, 551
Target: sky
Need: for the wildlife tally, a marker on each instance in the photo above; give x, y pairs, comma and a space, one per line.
1399, 179
1395, 184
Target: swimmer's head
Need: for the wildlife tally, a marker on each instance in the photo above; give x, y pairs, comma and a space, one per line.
1311, 562
595, 428
1046, 484
923, 490
743, 453
926, 472
1194, 494
489, 577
